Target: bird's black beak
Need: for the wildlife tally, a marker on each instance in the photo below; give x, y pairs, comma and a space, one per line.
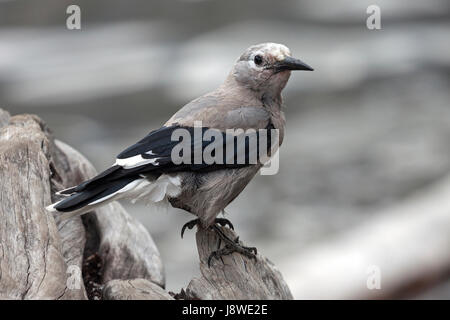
290, 63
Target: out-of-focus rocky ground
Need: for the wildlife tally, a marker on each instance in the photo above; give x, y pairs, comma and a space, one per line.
367, 129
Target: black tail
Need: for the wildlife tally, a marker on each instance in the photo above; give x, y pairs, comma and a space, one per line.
82, 198
91, 194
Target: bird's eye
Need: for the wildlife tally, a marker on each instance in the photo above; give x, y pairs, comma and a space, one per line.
258, 59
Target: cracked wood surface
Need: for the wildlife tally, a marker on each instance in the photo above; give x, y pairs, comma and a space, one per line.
136, 289
41, 257
237, 277
32, 264
127, 249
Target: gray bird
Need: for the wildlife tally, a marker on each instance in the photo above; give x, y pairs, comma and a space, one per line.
250, 98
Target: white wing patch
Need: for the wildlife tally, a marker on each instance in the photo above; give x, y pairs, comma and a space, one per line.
136, 161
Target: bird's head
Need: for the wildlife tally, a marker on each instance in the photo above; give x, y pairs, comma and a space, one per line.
266, 68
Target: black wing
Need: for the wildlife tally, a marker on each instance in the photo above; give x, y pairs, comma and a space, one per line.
153, 154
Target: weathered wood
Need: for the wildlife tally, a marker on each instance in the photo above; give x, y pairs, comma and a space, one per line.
72, 231
42, 257
237, 277
136, 289
32, 264
125, 246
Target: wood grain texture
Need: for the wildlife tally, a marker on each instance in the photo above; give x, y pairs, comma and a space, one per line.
237, 277
32, 263
136, 289
125, 246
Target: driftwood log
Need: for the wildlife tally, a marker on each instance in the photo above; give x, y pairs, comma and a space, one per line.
104, 254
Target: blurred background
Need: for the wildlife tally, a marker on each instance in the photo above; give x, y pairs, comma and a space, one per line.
368, 132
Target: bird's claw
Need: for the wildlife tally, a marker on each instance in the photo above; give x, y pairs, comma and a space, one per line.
224, 222
189, 225
230, 247
249, 252
218, 254
253, 250
220, 221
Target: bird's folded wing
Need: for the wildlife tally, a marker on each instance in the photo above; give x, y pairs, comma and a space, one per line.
156, 152
153, 155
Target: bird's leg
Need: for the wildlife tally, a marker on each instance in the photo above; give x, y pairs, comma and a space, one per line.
191, 224
230, 247
230, 244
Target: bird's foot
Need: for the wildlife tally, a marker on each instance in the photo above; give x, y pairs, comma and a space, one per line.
230, 247
191, 224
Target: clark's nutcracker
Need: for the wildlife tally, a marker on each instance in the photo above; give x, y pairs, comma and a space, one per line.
250, 98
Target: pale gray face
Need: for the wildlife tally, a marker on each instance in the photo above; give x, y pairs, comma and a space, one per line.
266, 67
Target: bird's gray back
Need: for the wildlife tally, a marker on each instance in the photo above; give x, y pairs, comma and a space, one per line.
223, 109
